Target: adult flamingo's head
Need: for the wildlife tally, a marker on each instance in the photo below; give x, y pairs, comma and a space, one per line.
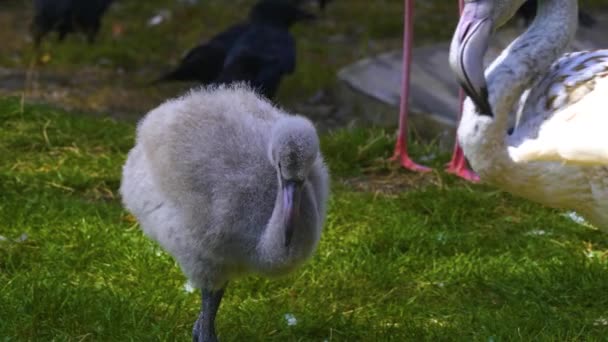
470, 43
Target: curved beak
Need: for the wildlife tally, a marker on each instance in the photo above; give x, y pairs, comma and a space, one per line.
468, 47
292, 191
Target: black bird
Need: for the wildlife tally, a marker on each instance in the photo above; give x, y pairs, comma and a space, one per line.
205, 62
259, 52
527, 12
67, 16
322, 3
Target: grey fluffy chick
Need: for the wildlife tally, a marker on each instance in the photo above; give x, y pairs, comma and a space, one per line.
229, 185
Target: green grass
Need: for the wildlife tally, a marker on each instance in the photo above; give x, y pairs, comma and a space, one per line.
442, 261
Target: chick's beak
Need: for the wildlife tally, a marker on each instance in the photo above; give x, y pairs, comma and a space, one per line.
292, 191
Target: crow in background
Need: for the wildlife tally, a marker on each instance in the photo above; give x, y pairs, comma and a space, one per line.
527, 11
67, 16
260, 51
322, 3
205, 62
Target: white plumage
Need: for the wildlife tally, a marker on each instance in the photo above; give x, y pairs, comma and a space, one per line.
566, 116
557, 154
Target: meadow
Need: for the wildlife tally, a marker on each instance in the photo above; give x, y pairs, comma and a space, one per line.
403, 256
427, 258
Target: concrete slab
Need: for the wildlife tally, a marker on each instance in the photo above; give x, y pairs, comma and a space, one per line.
433, 90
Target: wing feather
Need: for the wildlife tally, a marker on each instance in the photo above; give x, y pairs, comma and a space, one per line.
565, 115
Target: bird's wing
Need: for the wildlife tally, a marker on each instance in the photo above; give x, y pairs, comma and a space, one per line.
218, 45
273, 45
204, 62
260, 57
565, 117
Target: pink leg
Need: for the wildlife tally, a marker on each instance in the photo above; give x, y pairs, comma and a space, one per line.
400, 153
458, 164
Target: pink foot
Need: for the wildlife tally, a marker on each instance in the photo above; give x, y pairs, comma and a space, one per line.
458, 166
408, 163
462, 172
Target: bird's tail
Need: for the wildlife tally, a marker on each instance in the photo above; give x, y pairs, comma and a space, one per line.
164, 78
174, 75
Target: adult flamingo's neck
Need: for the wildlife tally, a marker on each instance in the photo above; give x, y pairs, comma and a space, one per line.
510, 74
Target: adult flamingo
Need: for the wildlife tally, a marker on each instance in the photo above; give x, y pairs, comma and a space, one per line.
557, 154
457, 165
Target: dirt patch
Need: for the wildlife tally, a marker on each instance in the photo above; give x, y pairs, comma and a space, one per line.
87, 90
388, 178
391, 184
128, 96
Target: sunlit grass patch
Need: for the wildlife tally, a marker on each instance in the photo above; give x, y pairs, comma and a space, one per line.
443, 260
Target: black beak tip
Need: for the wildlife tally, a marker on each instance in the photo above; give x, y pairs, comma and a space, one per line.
481, 99
483, 102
